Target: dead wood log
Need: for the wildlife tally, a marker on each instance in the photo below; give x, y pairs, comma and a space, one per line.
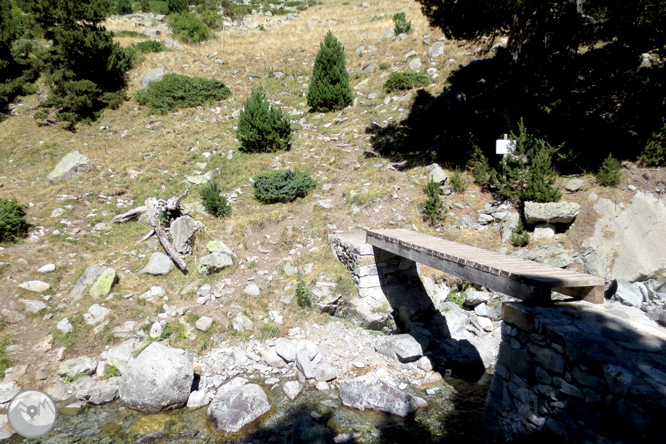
156, 207
130, 215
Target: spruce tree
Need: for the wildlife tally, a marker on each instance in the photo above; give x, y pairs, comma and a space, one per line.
177, 6
329, 86
261, 126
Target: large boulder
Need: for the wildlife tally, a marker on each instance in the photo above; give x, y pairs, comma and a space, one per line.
551, 212
236, 405
368, 392
214, 262
403, 348
182, 232
154, 75
88, 278
159, 265
70, 166
160, 377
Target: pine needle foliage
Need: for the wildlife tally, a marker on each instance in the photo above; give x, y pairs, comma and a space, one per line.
402, 26
13, 223
405, 80
124, 7
282, 186
610, 173
262, 127
433, 207
177, 6
654, 153
212, 200
176, 91
329, 88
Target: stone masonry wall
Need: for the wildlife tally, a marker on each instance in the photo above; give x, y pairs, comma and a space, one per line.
578, 372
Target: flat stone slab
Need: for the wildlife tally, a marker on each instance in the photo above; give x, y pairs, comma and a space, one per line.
368, 392
551, 212
234, 407
35, 286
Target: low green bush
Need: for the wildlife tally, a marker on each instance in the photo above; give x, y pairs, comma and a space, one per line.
282, 186
261, 126
402, 26
127, 34
150, 46
610, 172
189, 28
124, 7
13, 223
303, 293
176, 91
458, 183
157, 7
214, 203
405, 80
520, 236
433, 207
177, 6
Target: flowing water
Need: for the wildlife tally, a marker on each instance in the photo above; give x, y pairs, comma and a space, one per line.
453, 415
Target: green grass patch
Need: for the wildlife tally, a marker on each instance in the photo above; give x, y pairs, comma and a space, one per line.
5, 360
159, 7
176, 91
381, 17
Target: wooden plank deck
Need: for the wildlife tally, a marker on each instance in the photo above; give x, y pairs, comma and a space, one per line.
520, 278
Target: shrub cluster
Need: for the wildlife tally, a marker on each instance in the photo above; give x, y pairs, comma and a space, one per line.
13, 223
329, 88
654, 153
402, 26
177, 6
124, 7
149, 46
610, 173
405, 80
176, 91
261, 126
282, 186
458, 183
188, 27
212, 200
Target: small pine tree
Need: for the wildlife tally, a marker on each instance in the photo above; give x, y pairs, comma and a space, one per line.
177, 6
478, 163
433, 207
610, 173
13, 223
402, 26
263, 127
329, 86
214, 203
654, 153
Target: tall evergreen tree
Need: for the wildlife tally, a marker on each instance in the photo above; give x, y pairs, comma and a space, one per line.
86, 69
329, 86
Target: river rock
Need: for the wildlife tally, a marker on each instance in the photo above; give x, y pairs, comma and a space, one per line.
403, 347
273, 359
214, 262
474, 298
368, 392
121, 355
286, 349
102, 286
70, 166
35, 286
292, 389
551, 212
77, 366
103, 392
96, 314
159, 265
154, 75
198, 399
627, 294
87, 278
32, 306
160, 377
236, 406
182, 233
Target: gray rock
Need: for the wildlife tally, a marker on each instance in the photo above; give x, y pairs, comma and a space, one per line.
103, 392
388, 34
456, 319
368, 392
410, 54
508, 226
437, 174
6, 430
198, 399
252, 290
474, 298
87, 278
286, 349
292, 389
204, 323
554, 255
213, 263
415, 64
436, 50
627, 293
182, 232
241, 322
574, 185
7, 391
160, 377
551, 212
70, 166
77, 366
325, 372
65, 326
273, 359
369, 69
159, 265
154, 75
289, 269
221, 247
403, 347
235, 407
156, 330
32, 306
467, 222
35, 286
544, 231
485, 219
96, 314
47, 269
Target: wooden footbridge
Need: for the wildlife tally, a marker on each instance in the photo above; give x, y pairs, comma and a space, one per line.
520, 278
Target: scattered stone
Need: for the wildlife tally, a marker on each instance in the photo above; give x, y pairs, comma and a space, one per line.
153, 292
415, 64
368, 392
35, 286
402, 347
252, 290
32, 306
221, 247
236, 406
91, 274
286, 349
154, 75
96, 314
200, 179
198, 399
574, 185
474, 298
47, 269
159, 265
325, 204
241, 322
627, 294
77, 366
204, 323
102, 286
182, 232
214, 262
388, 34
436, 50
65, 326
158, 378
155, 330
70, 166
544, 231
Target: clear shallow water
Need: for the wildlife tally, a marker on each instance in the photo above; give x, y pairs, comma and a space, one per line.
453, 415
